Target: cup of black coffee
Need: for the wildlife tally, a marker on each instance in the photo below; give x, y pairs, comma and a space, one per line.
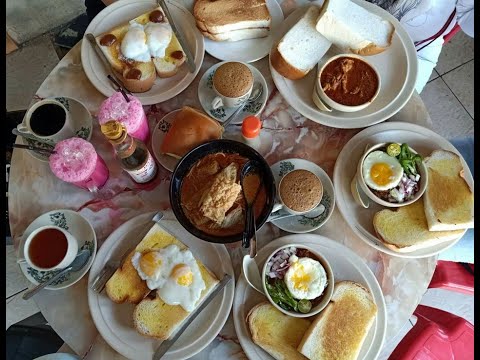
49, 120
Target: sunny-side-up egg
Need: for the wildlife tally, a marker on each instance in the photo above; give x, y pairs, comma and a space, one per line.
305, 278
134, 43
174, 273
381, 171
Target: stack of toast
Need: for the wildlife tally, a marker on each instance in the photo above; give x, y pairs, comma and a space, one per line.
139, 76
152, 317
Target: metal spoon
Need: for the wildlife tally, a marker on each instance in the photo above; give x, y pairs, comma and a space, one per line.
256, 92
79, 262
27, 136
250, 267
311, 214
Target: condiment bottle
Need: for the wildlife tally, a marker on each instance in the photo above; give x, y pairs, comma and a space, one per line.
133, 154
251, 126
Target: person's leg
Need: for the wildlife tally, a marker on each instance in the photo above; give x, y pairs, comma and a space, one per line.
93, 8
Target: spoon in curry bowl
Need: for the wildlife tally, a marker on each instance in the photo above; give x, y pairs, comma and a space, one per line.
251, 181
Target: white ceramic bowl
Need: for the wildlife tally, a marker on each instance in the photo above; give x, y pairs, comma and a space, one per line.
422, 169
327, 293
335, 105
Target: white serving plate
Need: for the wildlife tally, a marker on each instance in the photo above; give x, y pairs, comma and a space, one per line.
423, 140
397, 67
346, 265
123, 11
114, 321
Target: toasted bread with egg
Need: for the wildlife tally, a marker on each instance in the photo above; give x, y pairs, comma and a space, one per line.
405, 229
339, 331
154, 318
277, 333
166, 66
448, 200
190, 128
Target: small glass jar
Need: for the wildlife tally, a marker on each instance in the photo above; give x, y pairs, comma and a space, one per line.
251, 126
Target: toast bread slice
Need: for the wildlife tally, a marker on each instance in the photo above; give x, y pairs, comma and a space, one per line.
339, 331
301, 48
237, 35
448, 200
277, 333
405, 229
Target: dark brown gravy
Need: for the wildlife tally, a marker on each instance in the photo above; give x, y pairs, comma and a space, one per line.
349, 81
48, 248
199, 179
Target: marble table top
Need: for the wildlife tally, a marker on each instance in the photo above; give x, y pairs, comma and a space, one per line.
34, 190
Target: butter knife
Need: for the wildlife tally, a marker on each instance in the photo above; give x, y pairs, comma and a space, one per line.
180, 37
98, 284
101, 55
165, 345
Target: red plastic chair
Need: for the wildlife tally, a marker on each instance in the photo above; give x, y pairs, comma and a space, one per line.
437, 334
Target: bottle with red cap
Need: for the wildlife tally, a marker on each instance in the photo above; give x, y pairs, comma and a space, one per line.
251, 126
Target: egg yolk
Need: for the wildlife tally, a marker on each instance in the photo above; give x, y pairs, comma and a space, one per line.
300, 278
149, 263
381, 173
182, 274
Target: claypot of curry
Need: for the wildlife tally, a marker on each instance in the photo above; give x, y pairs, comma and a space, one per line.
206, 195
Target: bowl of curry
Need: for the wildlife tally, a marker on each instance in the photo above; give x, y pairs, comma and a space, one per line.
348, 83
206, 195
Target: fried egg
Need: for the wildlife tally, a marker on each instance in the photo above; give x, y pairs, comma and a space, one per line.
174, 273
305, 278
134, 44
381, 171
159, 36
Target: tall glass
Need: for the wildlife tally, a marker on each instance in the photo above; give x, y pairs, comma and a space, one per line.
130, 114
77, 162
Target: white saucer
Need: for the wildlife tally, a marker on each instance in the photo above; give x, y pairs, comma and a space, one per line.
82, 120
158, 134
206, 94
251, 49
79, 227
303, 224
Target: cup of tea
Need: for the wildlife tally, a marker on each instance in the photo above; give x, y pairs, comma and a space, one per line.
299, 192
49, 120
50, 248
233, 83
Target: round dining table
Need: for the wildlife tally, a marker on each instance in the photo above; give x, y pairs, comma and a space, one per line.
34, 190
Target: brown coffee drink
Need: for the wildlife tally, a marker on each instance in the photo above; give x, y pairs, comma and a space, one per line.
233, 79
301, 190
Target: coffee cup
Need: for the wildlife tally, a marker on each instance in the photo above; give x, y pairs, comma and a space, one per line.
50, 248
299, 192
232, 83
48, 120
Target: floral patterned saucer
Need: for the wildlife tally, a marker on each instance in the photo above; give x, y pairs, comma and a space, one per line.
308, 222
206, 94
79, 227
83, 126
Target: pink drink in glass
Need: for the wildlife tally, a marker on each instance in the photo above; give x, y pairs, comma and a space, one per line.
77, 162
131, 114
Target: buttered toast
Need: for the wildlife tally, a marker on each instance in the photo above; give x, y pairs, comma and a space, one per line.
141, 49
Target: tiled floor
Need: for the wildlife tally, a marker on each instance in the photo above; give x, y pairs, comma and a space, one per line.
448, 97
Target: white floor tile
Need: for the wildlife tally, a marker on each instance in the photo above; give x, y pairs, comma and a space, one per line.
448, 116
460, 81
16, 281
19, 309
456, 52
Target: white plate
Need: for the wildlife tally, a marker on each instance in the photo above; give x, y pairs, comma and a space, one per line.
302, 224
206, 94
346, 265
79, 227
360, 219
247, 50
82, 122
114, 321
158, 134
397, 67
58, 356
123, 11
